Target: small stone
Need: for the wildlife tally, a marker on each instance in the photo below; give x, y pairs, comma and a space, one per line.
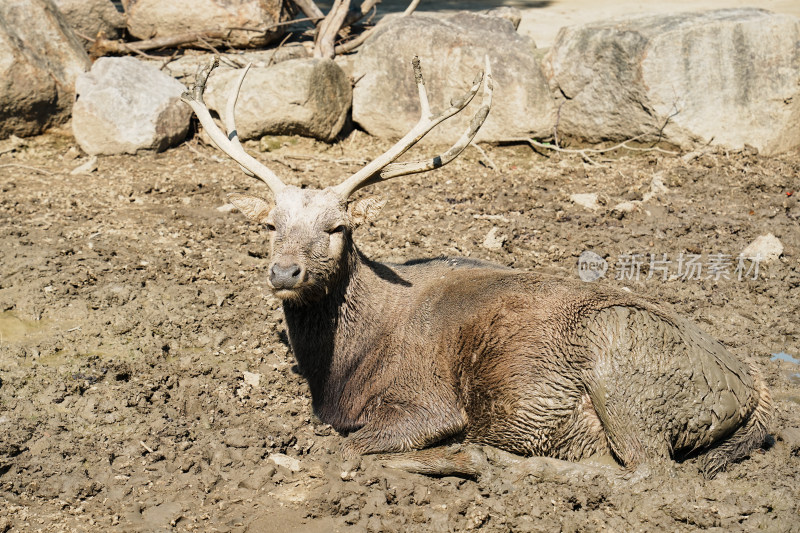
285, 461
625, 207
588, 200
767, 247
493, 241
251, 378
86, 168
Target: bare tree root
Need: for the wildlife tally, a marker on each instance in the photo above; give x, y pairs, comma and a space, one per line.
584, 152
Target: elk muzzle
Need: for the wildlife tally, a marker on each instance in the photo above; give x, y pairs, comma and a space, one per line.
286, 274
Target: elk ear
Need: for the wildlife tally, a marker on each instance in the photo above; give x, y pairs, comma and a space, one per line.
252, 207
365, 209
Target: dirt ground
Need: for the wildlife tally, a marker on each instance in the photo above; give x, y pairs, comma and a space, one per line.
147, 385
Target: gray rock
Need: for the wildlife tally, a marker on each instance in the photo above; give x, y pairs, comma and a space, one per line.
40, 58
309, 97
124, 105
90, 17
726, 77
158, 18
451, 51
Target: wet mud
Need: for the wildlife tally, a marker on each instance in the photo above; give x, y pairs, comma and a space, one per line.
146, 383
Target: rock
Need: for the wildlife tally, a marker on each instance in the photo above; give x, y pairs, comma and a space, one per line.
309, 97
251, 378
451, 51
40, 58
148, 19
90, 17
493, 241
767, 247
124, 105
725, 77
626, 207
285, 461
86, 168
588, 200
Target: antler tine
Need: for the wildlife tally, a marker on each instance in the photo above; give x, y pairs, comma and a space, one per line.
229, 143
366, 176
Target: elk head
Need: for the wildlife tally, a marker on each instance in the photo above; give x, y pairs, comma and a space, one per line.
311, 228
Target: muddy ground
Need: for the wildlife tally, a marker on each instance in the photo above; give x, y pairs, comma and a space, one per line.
147, 384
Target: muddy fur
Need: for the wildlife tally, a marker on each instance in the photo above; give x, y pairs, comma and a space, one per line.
403, 357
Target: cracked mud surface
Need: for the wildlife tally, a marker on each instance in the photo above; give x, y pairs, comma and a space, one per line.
146, 383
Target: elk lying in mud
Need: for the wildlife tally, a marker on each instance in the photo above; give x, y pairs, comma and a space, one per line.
404, 357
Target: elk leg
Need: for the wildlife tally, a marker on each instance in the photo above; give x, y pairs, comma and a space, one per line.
456, 460
402, 427
624, 427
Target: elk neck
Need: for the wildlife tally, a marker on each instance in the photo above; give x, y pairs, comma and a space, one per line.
333, 336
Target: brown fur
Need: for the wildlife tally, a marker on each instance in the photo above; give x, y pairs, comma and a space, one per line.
403, 357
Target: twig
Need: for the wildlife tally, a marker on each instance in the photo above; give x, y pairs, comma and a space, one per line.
310, 9
558, 121
208, 45
584, 152
326, 159
411, 7
485, 156
169, 60
272, 56
351, 45
548, 146
195, 150
26, 167
146, 447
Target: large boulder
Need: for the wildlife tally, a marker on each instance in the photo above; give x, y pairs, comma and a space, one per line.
90, 17
148, 19
309, 97
451, 51
726, 77
124, 105
40, 58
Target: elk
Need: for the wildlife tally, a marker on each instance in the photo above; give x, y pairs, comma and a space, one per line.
401, 358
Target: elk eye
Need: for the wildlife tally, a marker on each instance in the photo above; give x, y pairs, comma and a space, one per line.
337, 229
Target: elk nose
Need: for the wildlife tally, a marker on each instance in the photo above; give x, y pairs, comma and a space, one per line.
285, 276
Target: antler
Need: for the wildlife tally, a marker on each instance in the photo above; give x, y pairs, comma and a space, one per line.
383, 168
229, 143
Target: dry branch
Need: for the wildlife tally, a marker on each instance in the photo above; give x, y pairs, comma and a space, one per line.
329, 28
102, 46
584, 152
